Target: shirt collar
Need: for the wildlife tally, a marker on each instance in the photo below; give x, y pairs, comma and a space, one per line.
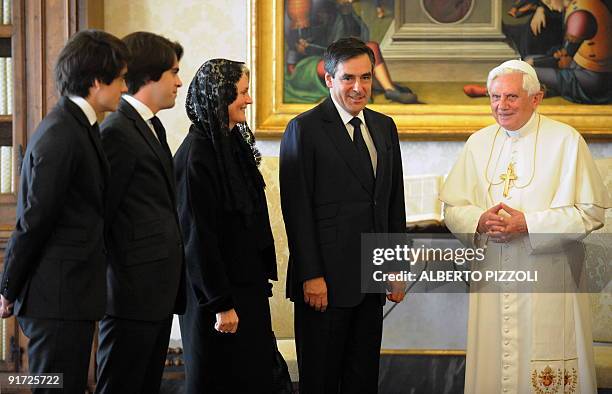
140, 107
526, 129
87, 109
344, 115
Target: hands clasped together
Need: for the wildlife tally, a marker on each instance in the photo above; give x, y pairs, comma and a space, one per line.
502, 223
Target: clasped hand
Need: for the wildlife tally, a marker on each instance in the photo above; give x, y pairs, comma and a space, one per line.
501, 223
227, 321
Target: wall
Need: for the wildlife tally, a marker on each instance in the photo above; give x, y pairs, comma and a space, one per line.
206, 28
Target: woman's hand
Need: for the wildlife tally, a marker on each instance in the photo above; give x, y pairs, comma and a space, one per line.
227, 322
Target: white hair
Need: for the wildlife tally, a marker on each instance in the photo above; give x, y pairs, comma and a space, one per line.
530, 83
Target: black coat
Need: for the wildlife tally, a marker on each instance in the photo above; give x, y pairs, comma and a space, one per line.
229, 260
221, 250
327, 203
146, 271
54, 262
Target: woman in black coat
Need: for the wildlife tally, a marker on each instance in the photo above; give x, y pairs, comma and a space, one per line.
229, 249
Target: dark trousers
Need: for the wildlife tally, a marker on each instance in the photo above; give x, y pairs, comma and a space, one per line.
338, 350
131, 355
59, 346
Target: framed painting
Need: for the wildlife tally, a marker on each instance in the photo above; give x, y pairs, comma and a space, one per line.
431, 61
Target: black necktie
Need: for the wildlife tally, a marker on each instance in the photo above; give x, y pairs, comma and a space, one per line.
161, 134
362, 149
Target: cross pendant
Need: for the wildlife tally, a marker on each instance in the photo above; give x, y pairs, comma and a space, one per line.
508, 178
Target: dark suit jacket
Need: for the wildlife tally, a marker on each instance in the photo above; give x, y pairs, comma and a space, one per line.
327, 203
222, 250
145, 248
54, 262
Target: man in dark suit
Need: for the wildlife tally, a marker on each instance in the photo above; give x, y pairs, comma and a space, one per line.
145, 272
54, 263
340, 176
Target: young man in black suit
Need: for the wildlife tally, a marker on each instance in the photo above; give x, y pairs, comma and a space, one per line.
54, 263
340, 176
145, 272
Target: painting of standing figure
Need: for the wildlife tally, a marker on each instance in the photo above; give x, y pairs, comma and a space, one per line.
312, 26
432, 56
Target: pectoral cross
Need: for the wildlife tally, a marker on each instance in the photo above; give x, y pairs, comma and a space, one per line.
508, 177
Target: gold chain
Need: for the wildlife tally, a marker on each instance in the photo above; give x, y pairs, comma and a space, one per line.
535, 148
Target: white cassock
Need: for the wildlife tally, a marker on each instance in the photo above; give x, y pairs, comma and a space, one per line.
529, 342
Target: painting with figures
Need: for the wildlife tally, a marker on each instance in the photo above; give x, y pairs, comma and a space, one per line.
437, 51
432, 58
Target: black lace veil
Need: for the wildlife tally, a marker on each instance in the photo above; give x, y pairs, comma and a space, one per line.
210, 92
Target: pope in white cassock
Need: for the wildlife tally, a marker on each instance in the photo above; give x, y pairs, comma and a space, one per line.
524, 176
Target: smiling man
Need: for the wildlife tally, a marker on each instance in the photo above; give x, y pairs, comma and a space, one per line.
518, 185
340, 176
145, 249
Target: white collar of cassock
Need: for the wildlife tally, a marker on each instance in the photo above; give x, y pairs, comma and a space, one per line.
527, 128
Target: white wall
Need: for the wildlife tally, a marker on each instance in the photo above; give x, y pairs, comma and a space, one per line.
207, 29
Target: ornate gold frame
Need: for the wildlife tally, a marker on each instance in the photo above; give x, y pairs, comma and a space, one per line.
418, 121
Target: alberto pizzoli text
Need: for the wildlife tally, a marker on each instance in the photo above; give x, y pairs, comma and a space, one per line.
456, 276
458, 256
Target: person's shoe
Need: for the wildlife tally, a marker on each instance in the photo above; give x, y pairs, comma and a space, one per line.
475, 90
400, 97
377, 87
403, 89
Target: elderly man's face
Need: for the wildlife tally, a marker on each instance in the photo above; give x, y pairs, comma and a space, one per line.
510, 104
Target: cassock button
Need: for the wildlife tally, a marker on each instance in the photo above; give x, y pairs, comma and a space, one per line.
506, 330
505, 378
505, 390
506, 355
506, 307
506, 318
506, 343
506, 366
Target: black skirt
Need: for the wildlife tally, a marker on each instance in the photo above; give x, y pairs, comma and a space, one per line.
229, 363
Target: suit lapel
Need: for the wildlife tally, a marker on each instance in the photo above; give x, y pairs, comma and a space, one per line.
93, 134
381, 148
336, 130
147, 134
